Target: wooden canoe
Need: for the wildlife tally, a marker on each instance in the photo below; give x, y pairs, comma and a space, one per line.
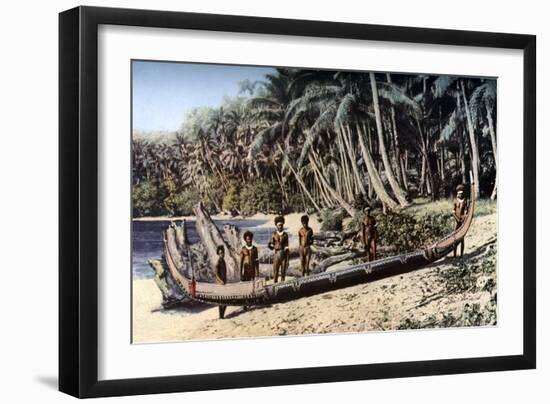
259, 292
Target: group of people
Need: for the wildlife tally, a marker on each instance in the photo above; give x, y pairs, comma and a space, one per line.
249, 259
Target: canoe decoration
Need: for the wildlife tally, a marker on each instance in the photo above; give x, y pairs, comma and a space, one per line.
259, 292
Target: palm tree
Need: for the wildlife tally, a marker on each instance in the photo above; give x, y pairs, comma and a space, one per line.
337, 113
397, 190
483, 103
443, 86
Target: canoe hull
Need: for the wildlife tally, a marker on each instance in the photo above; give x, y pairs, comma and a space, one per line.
258, 292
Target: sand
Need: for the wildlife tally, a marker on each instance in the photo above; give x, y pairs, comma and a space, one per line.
415, 300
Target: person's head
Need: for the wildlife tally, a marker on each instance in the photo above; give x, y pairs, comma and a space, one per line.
220, 251
460, 191
279, 222
305, 220
248, 236
367, 210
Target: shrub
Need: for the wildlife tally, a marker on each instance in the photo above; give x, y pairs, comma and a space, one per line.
331, 219
181, 203
296, 203
145, 199
260, 196
231, 199
405, 232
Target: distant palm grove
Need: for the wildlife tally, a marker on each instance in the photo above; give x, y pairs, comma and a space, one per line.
306, 140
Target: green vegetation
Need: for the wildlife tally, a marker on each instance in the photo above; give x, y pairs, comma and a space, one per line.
475, 276
331, 220
153, 199
405, 232
308, 140
425, 206
263, 197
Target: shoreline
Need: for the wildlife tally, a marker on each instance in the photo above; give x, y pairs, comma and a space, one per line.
420, 299
292, 220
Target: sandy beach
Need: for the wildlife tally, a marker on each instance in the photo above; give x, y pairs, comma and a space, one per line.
425, 298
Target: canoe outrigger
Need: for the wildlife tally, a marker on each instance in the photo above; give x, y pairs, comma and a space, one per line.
258, 292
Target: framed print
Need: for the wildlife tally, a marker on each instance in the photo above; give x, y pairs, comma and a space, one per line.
251, 201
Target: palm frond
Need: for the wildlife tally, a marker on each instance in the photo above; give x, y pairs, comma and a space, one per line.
263, 102
344, 113
451, 126
267, 114
264, 137
483, 96
324, 122
397, 97
441, 85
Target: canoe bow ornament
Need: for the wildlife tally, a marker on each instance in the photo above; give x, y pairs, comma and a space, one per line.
259, 292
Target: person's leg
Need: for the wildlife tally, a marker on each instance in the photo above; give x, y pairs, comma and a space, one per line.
373, 241
461, 247
302, 260
368, 250
308, 258
456, 245
275, 268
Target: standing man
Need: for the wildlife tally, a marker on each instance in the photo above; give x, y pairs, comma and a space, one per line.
221, 274
279, 243
460, 208
369, 234
250, 264
305, 236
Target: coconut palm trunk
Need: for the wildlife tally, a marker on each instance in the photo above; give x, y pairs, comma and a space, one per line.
494, 146
396, 146
344, 163
404, 167
374, 176
346, 135
397, 190
473, 144
347, 207
301, 182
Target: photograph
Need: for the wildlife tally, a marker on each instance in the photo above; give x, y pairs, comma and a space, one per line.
290, 201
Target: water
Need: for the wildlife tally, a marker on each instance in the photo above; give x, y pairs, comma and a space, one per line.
147, 240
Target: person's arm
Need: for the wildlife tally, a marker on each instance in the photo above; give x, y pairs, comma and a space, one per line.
256, 263
310, 238
454, 212
242, 264
218, 274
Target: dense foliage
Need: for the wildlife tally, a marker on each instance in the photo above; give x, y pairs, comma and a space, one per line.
405, 232
306, 140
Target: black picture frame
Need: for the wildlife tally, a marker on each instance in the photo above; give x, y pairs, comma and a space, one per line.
78, 201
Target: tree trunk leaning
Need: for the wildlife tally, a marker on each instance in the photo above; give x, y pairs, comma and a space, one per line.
494, 145
374, 176
397, 191
473, 144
